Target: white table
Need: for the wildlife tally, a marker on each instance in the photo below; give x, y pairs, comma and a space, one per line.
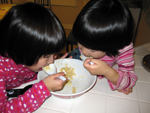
101, 99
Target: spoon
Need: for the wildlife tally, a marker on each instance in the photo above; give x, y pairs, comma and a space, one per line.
84, 58
51, 69
91, 63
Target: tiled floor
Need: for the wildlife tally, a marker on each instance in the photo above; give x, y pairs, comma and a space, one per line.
101, 99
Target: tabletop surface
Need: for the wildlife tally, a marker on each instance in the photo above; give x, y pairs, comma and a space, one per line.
101, 99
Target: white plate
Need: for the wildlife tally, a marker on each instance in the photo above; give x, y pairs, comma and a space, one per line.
83, 81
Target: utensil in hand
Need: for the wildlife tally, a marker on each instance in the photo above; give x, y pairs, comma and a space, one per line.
91, 63
84, 58
51, 69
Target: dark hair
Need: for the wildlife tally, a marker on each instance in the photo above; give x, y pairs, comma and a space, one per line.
104, 25
29, 31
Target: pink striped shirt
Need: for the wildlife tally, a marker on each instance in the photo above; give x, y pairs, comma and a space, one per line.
125, 62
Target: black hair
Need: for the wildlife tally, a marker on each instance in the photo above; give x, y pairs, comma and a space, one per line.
30, 31
104, 25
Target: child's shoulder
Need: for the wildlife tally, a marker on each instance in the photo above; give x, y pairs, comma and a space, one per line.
127, 48
4, 59
107, 58
5, 62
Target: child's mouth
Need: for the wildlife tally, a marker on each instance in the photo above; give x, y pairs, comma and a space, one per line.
40, 69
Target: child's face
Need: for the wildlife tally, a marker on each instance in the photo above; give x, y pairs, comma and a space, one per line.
43, 61
91, 53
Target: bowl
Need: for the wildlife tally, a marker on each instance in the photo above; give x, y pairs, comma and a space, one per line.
79, 79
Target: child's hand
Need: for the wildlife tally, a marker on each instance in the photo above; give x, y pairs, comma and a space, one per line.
125, 91
61, 56
53, 83
65, 55
101, 68
98, 68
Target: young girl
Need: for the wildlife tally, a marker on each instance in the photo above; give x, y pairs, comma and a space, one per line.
30, 35
104, 31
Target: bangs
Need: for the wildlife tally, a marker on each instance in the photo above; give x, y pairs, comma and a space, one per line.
102, 27
34, 31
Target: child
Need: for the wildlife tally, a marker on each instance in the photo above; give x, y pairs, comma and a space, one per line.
104, 31
30, 35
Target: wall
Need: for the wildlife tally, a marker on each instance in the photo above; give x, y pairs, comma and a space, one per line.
143, 34
67, 14
65, 10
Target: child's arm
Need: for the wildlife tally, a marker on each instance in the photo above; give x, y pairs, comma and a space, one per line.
127, 76
28, 102
101, 68
115, 80
125, 91
61, 56
53, 83
125, 61
31, 100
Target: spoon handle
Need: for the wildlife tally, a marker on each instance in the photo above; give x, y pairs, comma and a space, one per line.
91, 63
62, 78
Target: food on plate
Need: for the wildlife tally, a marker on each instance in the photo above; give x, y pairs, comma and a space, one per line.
46, 68
50, 69
74, 89
69, 72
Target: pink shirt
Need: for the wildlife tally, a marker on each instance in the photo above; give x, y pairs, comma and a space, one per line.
125, 62
11, 76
